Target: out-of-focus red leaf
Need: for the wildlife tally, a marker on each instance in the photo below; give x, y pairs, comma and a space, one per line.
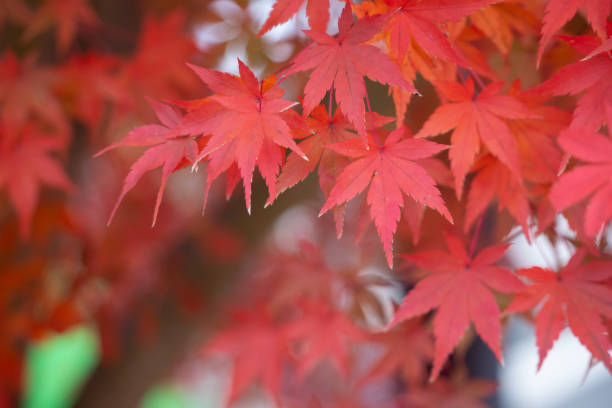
65, 16
27, 163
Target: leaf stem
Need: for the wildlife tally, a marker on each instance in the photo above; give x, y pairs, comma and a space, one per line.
376, 138
475, 237
477, 79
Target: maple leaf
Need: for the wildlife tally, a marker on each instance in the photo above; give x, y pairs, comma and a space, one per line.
476, 119
86, 83
575, 295
259, 348
296, 276
248, 123
414, 59
409, 349
463, 37
167, 152
306, 276
316, 10
26, 90
391, 172
498, 21
323, 332
417, 20
594, 77
539, 156
414, 212
66, 15
559, 12
416, 62
326, 130
585, 180
494, 180
26, 162
341, 62
459, 286
157, 67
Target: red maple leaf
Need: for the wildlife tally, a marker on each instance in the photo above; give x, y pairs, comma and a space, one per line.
248, 123
539, 154
170, 153
326, 130
316, 10
26, 163
391, 172
414, 212
575, 295
463, 36
408, 350
26, 90
66, 15
157, 67
593, 76
476, 119
559, 12
87, 83
591, 178
495, 181
459, 286
323, 333
422, 21
341, 62
498, 22
259, 347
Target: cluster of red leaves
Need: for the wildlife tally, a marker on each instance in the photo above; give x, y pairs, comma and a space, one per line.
37, 101
535, 156
504, 136
64, 93
299, 324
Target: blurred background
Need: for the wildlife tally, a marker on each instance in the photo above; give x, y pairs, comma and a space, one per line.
128, 316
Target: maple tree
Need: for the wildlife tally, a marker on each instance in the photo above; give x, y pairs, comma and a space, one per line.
378, 112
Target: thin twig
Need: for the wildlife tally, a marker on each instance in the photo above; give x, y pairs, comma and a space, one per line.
477, 79
376, 138
476, 234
